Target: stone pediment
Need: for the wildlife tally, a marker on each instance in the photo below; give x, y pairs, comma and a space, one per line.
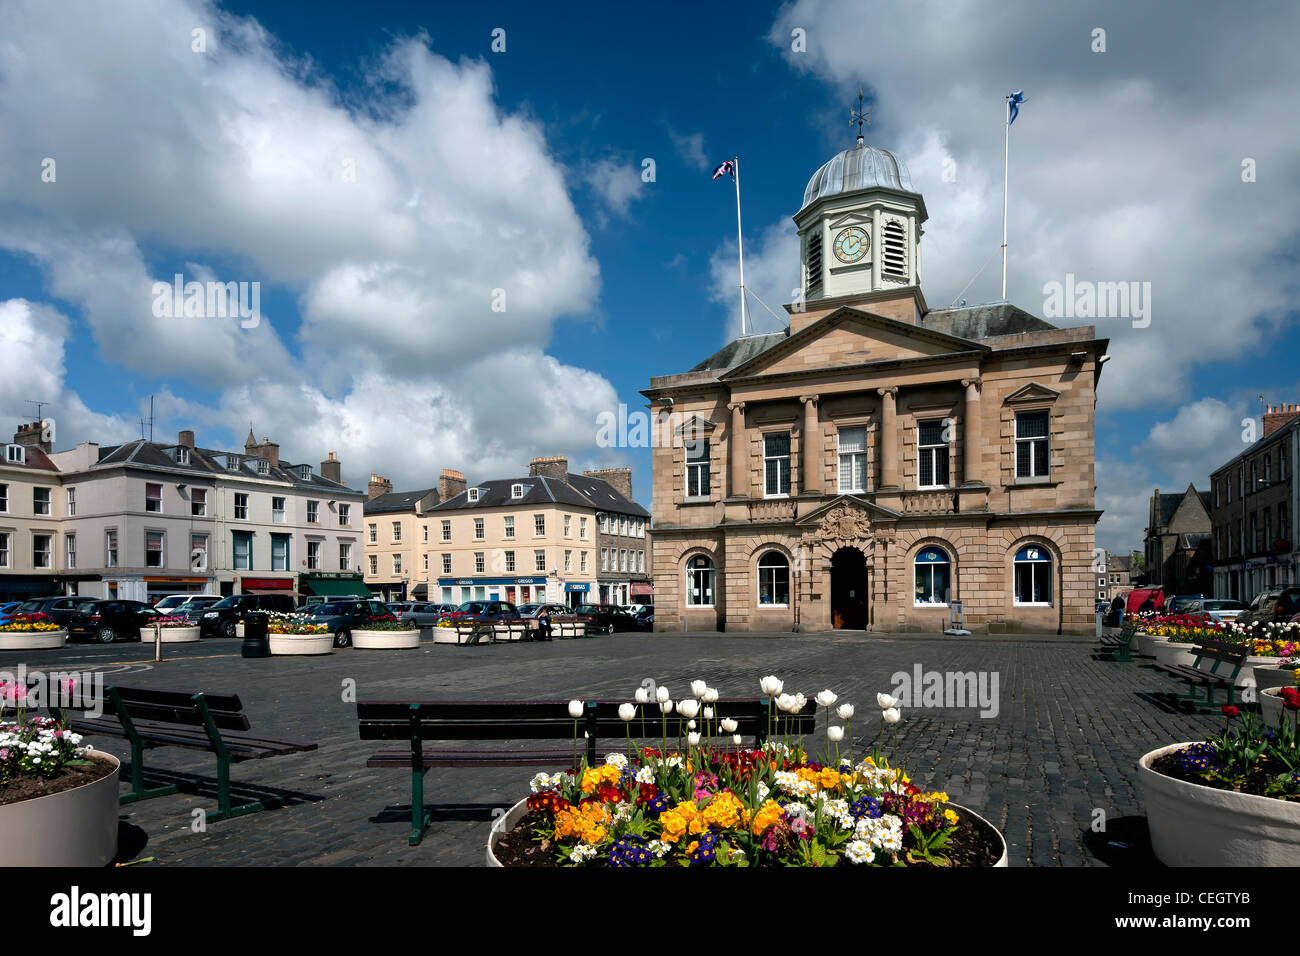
847, 518
1033, 392
850, 337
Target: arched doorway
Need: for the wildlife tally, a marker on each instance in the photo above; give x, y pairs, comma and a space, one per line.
849, 589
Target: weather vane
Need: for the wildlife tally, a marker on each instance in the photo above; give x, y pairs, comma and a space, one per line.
859, 116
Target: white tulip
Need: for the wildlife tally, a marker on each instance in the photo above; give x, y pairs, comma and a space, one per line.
845, 711
688, 708
800, 701
729, 726
736, 740
661, 694
708, 713
626, 711
770, 685
711, 695
575, 709
827, 697
836, 734
642, 695
693, 739
892, 716
698, 687
666, 706
690, 724
885, 701
785, 703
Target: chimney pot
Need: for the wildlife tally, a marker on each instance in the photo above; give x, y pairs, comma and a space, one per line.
185, 438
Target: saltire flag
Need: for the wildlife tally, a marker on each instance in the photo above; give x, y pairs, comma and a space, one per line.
1015, 99
727, 167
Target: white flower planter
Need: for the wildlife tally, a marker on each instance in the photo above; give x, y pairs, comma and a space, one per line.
172, 635
1167, 652
386, 640
77, 827
1194, 825
1270, 703
506, 822
32, 640
1144, 644
1266, 677
287, 645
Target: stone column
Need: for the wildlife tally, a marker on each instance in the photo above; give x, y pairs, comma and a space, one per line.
810, 476
737, 451
889, 437
972, 435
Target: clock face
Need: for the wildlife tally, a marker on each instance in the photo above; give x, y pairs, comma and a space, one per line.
851, 244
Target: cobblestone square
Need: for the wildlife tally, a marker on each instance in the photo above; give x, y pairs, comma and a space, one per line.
1060, 751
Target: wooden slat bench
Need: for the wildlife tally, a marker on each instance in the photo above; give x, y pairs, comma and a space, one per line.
1217, 665
163, 718
1118, 645
416, 722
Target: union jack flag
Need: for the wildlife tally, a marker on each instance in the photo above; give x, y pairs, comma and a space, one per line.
727, 167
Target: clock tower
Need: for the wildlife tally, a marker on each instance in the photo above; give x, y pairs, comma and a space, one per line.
860, 226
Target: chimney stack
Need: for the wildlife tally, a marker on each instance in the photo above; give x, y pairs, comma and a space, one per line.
450, 484
186, 438
29, 436
379, 485
1277, 416
332, 468
620, 479
556, 466
270, 451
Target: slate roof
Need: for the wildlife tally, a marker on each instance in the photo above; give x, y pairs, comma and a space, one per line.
396, 501
210, 462
33, 459
741, 350
1168, 505
982, 321
596, 493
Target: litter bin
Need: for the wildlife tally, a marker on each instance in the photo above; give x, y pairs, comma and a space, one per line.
257, 643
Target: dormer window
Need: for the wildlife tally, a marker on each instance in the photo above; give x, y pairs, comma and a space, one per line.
232, 462
473, 494
516, 491
304, 472
15, 454
263, 466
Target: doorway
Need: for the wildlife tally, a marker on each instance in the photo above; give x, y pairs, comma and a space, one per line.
849, 590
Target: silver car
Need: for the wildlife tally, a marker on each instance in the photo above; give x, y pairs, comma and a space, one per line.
1222, 610
417, 612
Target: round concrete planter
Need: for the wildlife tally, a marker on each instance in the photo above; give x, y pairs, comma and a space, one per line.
32, 640
77, 827
386, 640
445, 635
1266, 676
1167, 652
1270, 704
1194, 825
506, 822
286, 645
1144, 644
172, 635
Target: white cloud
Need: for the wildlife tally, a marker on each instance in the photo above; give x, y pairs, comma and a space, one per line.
771, 273
617, 183
690, 147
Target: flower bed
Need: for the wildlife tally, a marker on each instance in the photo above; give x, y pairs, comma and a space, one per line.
386, 635
31, 635
58, 800
172, 630
1231, 800
705, 803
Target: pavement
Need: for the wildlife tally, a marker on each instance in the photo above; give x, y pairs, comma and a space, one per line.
1050, 759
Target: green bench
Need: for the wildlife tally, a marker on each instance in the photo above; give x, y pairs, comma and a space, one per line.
1216, 666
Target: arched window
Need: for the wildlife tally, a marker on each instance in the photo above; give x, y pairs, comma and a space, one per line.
1033, 575
933, 576
773, 580
699, 582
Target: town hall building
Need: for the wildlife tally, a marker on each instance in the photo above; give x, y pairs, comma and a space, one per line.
878, 461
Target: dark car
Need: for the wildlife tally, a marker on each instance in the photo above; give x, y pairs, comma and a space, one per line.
108, 621
484, 612
645, 618
605, 618
221, 618
1185, 604
52, 610
341, 617
1272, 607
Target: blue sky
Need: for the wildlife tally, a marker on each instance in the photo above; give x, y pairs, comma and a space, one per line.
521, 170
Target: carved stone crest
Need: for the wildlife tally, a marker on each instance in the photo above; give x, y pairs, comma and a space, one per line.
846, 523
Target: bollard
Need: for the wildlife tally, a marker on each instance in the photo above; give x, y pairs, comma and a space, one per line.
157, 641
257, 642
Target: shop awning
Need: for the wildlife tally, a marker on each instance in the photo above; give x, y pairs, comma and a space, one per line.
327, 588
642, 590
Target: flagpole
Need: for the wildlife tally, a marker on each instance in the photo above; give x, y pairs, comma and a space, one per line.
1006, 168
740, 246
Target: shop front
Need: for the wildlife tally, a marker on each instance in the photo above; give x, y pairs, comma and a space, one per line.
157, 587
515, 590
267, 586
577, 592
24, 587
332, 584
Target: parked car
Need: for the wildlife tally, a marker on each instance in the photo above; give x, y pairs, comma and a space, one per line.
52, 610
1134, 600
7, 611
645, 618
484, 612
1222, 610
552, 610
109, 621
221, 618
635, 609
605, 618
1272, 606
342, 617
418, 612
1185, 604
